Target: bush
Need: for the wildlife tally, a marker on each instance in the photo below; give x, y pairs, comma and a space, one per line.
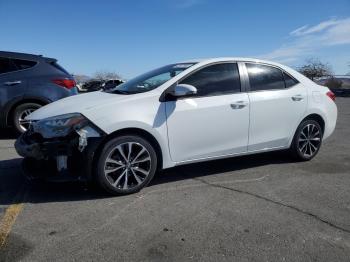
333, 83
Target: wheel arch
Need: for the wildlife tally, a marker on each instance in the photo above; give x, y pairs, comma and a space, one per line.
318, 118
311, 116
12, 106
133, 131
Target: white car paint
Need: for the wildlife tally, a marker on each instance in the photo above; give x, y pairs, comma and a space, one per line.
201, 128
275, 106
188, 119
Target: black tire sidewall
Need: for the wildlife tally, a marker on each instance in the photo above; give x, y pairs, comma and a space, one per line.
294, 148
18, 110
99, 172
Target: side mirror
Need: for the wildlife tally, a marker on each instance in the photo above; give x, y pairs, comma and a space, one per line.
182, 90
175, 92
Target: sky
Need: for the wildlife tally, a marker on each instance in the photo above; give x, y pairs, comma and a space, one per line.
131, 37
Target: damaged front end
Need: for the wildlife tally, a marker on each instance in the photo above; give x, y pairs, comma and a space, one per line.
59, 148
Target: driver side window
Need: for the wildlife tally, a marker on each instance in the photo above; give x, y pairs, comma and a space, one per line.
218, 79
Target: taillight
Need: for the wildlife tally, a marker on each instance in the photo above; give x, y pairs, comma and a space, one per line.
66, 83
331, 95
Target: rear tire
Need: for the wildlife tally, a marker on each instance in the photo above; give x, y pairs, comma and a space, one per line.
19, 113
307, 140
126, 164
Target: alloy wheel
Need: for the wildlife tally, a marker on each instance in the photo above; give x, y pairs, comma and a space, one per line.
127, 165
309, 140
23, 123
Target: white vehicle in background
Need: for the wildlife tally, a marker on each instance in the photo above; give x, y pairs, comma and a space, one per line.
177, 114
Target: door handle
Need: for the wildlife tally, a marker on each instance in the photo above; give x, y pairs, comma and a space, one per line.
297, 98
238, 105
12, 83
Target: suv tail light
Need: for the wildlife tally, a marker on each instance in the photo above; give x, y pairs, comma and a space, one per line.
331, 95
65, 82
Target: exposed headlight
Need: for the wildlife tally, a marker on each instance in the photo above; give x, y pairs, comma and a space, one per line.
67, 120
59, 126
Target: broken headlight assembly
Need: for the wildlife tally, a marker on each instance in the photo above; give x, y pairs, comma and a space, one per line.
64, 125
60, 126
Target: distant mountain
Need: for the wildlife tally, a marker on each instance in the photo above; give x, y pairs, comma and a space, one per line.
344, 79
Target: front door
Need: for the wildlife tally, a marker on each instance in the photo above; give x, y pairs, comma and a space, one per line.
212, 123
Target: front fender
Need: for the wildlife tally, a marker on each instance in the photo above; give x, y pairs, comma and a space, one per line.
150, 118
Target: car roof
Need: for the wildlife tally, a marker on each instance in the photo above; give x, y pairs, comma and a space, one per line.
24, 56
205, 61
225, 59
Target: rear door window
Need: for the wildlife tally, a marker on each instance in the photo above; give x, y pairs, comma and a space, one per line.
6, 65
264, 77
23, 64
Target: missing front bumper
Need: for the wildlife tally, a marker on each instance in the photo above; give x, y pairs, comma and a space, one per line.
27, 147
59, 159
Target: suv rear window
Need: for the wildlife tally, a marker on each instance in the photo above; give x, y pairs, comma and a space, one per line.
23, 64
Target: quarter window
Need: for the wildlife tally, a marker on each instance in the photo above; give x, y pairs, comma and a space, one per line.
58, 67
219, 79
289, 80
263, 77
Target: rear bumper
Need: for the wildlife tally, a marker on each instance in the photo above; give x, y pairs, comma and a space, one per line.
331, 115
40, 158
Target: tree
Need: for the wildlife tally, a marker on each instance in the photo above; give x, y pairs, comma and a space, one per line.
314, 68
105, 75
81, 78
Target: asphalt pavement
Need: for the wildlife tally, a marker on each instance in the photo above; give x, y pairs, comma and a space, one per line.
253, 208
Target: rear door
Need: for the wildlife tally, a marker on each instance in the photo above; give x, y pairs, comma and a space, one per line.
277, 104
215, 121
13, 82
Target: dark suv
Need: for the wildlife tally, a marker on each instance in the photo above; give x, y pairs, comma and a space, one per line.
28, 82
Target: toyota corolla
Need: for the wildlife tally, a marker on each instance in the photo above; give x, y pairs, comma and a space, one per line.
177, 114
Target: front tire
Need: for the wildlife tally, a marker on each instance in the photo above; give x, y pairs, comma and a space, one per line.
20, 113
307, 140
126, 165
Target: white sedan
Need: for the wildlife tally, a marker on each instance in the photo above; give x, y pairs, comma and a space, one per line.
180, 113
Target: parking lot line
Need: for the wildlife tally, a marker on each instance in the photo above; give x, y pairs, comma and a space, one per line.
11, 214
8, 221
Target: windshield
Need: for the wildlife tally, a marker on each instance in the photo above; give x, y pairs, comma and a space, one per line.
151, 80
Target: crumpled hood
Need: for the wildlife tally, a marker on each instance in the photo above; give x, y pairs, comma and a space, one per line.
77, 104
